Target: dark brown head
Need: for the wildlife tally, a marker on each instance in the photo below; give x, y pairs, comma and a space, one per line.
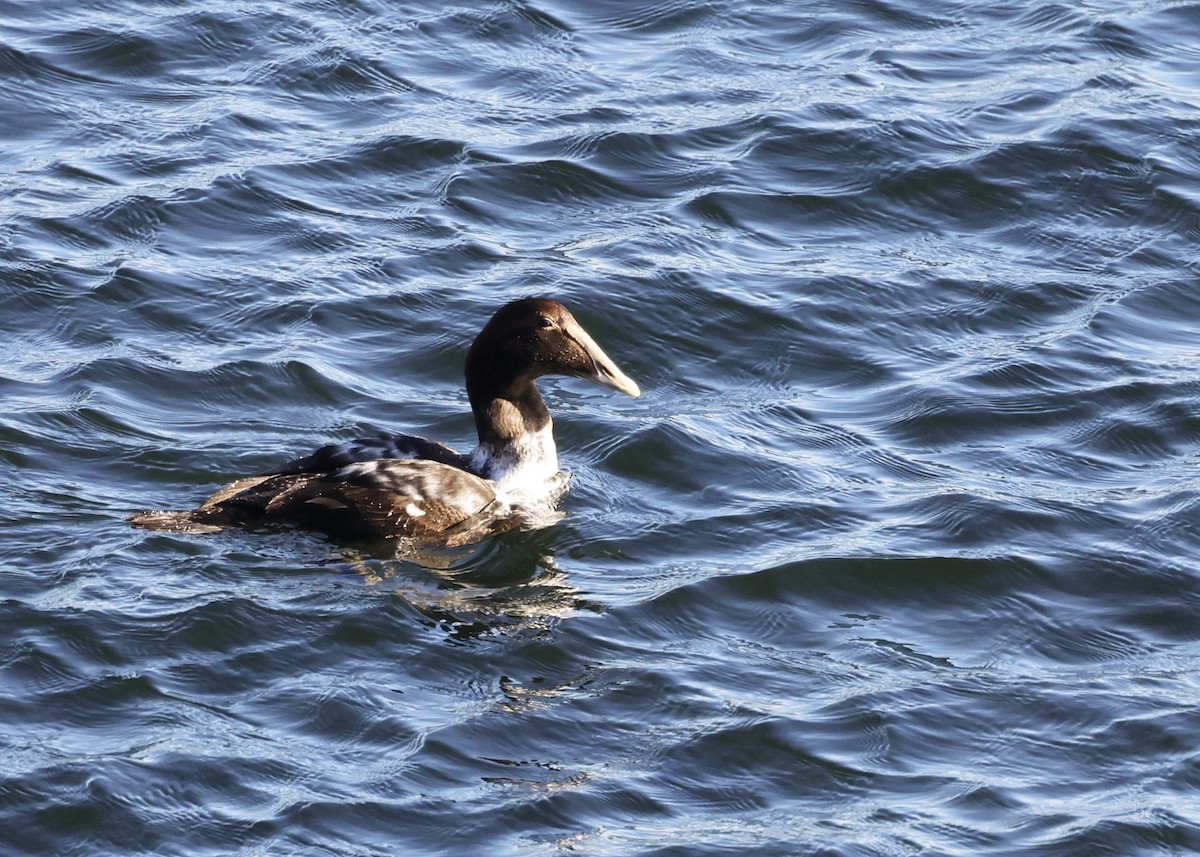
525, 340
538, 336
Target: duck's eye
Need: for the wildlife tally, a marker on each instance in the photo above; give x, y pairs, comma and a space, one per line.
542, 321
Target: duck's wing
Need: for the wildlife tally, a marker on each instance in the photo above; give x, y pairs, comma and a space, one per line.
383, 446
383, 497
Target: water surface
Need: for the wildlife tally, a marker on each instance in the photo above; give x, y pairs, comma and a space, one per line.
897, 553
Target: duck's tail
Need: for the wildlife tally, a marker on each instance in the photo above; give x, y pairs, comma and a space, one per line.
174, 522
213, 516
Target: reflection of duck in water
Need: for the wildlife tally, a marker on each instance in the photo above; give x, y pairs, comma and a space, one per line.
472, 590
399, 485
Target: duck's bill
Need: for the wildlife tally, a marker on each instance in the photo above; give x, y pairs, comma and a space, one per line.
604, 371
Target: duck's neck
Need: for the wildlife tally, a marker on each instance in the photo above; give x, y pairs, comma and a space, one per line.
516, 441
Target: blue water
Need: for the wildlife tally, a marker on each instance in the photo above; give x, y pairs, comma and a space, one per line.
897, 554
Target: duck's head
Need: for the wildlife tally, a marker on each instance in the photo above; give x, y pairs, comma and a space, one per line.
529, 338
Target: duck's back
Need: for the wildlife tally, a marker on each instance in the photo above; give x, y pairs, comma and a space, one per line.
360, 488
398, 446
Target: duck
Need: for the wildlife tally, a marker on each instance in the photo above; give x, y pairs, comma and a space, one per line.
403, 486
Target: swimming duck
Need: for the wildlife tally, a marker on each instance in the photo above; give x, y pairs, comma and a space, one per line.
405, 486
